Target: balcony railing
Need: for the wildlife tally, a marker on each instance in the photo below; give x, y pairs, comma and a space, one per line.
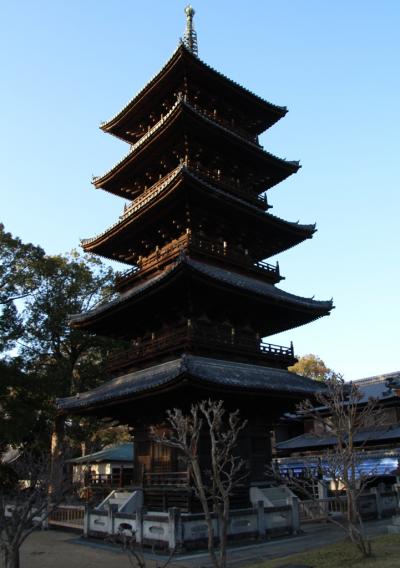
224, 122
230, 183
200, 337
174, 478
116, 479
212, 176
150, 193
201, 245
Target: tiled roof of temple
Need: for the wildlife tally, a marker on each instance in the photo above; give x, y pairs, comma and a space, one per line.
231, 374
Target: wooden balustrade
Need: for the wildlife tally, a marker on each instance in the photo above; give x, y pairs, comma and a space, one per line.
202, 336
175, 478
229, 183
189, 242
69, 516
210, 175
150, 193
224, 122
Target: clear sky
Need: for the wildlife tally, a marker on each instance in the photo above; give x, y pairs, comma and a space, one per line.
68, 65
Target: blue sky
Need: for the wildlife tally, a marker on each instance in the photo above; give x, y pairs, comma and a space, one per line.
67, 66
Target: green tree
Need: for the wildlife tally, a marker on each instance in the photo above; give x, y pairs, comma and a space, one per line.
313, 367
19, 277
43, 357
66, 360
21, 407
70, 284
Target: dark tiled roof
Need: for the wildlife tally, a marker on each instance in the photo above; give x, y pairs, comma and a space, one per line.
122, 452
201, 369
182, 108
182, 49
246, 206
376, 387
221, 275
136, 291
308, 441
257, 286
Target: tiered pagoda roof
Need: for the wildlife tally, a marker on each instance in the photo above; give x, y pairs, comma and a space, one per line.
198, 297
274, 234
184, 67
190, 372
121, 316
187, 125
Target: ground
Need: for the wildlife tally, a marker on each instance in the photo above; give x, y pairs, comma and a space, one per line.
58, 549
386, 554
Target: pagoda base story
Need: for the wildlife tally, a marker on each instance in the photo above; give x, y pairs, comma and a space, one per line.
141, 399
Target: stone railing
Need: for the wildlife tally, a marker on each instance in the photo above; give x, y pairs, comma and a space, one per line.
176, 530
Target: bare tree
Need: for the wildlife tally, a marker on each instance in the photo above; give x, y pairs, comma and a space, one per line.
213, 488
126, 538
342, 413
24, 504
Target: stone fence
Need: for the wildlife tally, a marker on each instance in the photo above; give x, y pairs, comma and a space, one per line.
175, 530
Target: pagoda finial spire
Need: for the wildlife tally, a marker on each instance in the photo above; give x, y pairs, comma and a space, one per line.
190, 37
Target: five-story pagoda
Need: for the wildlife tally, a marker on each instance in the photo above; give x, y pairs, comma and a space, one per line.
198, 297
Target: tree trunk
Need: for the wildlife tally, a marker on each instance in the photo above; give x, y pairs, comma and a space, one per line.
223, 535
11, 557
206, 510
57, 447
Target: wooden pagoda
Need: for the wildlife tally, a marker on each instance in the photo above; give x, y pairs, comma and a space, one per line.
198, 297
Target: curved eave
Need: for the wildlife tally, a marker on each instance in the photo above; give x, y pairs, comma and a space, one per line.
228, 279
255, 286
84, 320
183, 56
197, 371
96, 244
176, 113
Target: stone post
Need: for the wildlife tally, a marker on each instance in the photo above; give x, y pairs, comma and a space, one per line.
261, 524
86, 521
110, 511
322, 489
139, 526
376, 491
295, 513
396, 488
174, 528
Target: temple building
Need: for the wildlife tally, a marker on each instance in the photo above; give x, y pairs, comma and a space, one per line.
198, 296
302, 443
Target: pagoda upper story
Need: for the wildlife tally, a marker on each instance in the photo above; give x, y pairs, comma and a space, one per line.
198, 228
185, 74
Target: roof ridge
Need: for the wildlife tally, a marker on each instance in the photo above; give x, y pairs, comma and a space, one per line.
182, 47
132, 208
180, 101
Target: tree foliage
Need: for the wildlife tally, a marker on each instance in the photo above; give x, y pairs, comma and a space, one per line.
313, 367
19, 277
43, 357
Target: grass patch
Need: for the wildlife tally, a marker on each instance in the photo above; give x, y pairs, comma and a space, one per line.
385, 550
